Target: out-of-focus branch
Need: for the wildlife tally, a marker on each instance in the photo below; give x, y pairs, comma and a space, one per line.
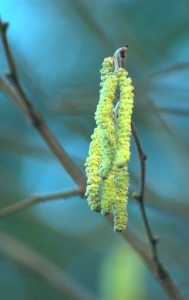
18, 96
174, 68
34, 262
34, 199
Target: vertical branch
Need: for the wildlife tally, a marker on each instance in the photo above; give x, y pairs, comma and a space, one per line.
140, 199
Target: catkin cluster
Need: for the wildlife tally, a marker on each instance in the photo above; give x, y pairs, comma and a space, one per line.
109, 152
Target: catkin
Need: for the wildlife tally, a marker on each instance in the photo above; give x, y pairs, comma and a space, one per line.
92, 166
123, 131
108, 194
109, 152
119, 207
104, 119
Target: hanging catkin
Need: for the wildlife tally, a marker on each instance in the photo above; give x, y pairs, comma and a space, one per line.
109, 152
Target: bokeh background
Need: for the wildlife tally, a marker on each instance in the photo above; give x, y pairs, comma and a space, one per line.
59, 47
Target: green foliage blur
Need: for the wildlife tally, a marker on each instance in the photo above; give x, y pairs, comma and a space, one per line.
59, 47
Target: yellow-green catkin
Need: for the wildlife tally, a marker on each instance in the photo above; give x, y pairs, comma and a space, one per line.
92, 167
107, 68
123, 131
104, 117
120, 205
109, 152
108, 194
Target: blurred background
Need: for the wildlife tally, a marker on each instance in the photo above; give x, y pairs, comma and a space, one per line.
59, 47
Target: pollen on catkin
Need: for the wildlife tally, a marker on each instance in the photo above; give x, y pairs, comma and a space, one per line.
108, 194
107, 68
92, 167
109, 153
123, 131
120, 205
104, 120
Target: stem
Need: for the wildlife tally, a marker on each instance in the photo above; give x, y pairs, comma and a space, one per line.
140, 199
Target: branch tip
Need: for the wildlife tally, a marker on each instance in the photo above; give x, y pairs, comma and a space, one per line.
4, 26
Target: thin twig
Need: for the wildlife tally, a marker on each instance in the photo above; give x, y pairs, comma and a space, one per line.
140, 199
34, 199
35, 118
53, 275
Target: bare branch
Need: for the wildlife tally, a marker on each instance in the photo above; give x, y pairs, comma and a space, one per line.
140, 199
34, 262
34, 199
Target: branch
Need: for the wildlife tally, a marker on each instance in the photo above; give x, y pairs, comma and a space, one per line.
34, 262
140, 199
166, 282
18, 96
34, 199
